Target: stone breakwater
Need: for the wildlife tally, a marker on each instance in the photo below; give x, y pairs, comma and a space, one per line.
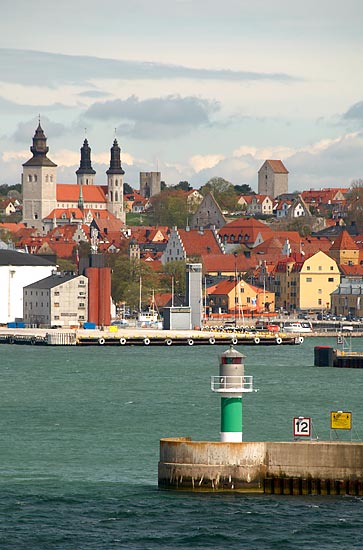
297, 467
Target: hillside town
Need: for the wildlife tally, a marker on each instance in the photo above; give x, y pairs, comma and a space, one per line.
79, 252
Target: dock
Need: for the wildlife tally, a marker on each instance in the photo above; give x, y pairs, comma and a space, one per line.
142, 337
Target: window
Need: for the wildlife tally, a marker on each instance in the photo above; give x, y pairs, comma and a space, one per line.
81, 282
30, 177
308, 267
320, 268
56, 317
331, 268
309, 279
56, 304
248, 300
319, 302
46, 178
330, 279
56, 293
81, 305
319, 291
35, 177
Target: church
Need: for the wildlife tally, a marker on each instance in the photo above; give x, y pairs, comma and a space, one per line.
47, 204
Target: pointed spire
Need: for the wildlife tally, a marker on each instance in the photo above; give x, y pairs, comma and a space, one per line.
115, 160
39, 149
85, 166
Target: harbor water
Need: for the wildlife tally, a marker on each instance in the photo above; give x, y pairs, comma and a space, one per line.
80, 430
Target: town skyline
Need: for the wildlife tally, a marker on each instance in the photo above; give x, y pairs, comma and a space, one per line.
189, 90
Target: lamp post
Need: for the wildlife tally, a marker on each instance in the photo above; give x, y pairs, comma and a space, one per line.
235, 287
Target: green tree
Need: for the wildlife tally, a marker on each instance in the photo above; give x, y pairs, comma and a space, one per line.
128, 190
244, 189
169, 208
223, 191
177, 270
125, 280
183, 186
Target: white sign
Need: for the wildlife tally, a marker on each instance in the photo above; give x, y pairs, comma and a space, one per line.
302, 426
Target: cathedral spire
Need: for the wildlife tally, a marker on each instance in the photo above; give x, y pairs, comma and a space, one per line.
85, 172
115, 160
39, 150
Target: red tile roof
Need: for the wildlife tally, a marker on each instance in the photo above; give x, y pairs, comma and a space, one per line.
344, 242
91, 193
197, 243
278, 166
227, 263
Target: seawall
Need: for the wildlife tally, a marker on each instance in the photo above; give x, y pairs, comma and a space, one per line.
296, 467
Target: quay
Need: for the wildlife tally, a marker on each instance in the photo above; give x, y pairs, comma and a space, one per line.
299, 467
141, 337
283, 468
326, 356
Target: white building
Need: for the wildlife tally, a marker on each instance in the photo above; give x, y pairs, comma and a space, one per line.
58, 300
16, 271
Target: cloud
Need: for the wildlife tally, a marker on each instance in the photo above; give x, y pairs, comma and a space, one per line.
201, 162
326, 163
56, 69
7, 106
26, 129
355, 112
155, 117
94, 93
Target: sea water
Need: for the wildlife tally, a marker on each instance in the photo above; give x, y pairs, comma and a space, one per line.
80, 430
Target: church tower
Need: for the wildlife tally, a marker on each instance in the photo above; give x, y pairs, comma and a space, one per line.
39, 181
115, 186
85, 172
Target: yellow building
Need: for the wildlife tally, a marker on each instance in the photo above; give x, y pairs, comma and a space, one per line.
230, 296
306, 284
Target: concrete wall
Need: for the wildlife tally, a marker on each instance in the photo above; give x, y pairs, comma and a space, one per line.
186, 464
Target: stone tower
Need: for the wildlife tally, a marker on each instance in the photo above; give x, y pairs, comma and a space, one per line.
273, 179
150, 184
39, 183
85, 172
115, 186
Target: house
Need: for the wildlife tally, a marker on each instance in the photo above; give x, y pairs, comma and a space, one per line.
248, 231
273, 178
58, 300
18, 269
298, 208
226, 265
238, 297
344, 250
7, 207
347, 299
260, 204
185, 244
208, 214
306, 283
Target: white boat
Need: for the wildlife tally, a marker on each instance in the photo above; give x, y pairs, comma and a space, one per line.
298, 327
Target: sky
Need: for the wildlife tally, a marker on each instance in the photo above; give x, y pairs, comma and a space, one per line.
194, 89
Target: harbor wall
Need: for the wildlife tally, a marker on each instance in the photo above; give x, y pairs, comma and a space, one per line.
261, 466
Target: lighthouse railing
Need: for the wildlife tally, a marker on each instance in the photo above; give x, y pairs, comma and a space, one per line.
232, 384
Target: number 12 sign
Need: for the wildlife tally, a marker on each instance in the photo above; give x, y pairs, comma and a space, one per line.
302, 426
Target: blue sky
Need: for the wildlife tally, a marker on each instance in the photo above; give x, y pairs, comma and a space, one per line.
193, 88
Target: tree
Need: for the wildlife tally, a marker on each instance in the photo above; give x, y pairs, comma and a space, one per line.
355, 201
243, 189
128, 190
223, 191
125, 280
170, 208
177, 270
183, 186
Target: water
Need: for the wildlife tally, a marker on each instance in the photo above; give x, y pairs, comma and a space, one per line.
80, 430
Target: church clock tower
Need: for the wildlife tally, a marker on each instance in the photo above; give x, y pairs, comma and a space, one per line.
39, 181
115, 185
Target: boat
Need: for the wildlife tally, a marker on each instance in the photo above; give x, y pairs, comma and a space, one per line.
298, 327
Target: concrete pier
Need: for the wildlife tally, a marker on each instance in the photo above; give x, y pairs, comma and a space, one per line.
297, 467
